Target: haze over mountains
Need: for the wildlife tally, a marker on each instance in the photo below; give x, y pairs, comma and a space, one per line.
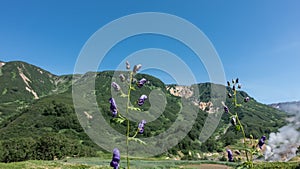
35, 104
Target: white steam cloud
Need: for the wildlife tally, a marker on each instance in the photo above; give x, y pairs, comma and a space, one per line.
282, 145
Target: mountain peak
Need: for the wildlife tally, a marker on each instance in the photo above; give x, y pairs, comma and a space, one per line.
24, 82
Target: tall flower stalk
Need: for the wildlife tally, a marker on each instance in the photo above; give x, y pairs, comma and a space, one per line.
119, 117
235, 121
128, 121
254, 147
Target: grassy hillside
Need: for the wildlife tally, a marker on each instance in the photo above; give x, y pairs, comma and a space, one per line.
52, 116
23, 83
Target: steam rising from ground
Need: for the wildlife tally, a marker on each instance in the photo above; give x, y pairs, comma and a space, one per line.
282, 145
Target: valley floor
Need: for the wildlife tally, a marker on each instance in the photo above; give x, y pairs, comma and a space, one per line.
95, 163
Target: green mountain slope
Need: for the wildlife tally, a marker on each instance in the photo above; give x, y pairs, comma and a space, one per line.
53, 115
22, 83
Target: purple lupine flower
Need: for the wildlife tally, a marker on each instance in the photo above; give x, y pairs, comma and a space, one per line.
239, 86
141, 126
122, 78
137, 68
233, 87
115, 86
246, 99
233, 121
113, 107
127, 65
226, 109
230, 156
233, 81
237, 80
261, 141
115, 159
142, 100
141, 82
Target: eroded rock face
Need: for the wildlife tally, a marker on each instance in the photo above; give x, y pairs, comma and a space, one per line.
181, 91
27, 81
187, 92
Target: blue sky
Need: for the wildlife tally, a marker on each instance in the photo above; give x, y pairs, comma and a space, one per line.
257, 41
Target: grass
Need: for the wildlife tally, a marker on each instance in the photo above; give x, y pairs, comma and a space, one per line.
96, 163
46, 165
277, 165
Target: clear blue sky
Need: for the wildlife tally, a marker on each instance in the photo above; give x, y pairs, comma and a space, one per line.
257, 41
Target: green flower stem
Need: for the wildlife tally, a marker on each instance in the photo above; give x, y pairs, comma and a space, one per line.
244, 135
137, 131
120, 116
123, 94
251, 154
230, 113
238, 120
128, 122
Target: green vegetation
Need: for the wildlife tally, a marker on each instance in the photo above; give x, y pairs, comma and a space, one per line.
27, 123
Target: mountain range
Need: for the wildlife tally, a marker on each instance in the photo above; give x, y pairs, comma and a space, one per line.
37, 115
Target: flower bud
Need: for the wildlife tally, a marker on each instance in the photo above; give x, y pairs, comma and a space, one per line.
115, 159
233, 121
141, 126
115, 86
113, 107
228, 83
230, 156
122, 78
246, 99
141, 82
226, 110
261, 142
229, 95
136, 68
141, 100
127, 65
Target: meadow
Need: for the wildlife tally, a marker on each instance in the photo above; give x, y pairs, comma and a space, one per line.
151, 163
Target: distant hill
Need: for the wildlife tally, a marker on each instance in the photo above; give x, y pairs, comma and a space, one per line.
289, 107
37, 105
22, 83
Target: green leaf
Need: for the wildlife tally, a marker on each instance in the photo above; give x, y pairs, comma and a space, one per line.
132, 88
123, 95
238, 105
134, 108
255, 152
137, 140
119, 120
237, 127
